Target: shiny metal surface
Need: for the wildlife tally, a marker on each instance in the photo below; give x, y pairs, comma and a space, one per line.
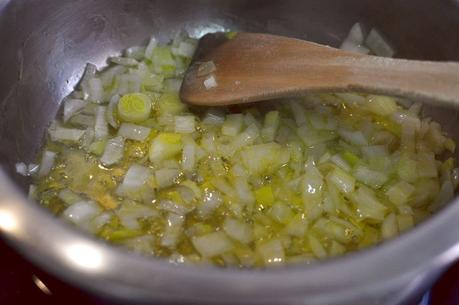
45, 47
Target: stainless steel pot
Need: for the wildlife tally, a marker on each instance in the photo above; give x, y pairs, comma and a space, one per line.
45, 45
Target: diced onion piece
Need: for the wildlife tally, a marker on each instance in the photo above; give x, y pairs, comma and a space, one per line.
83, 120
342, 180
233, 124
281, 212
101, 125
184, 123
112, 105
206, 68
162, 60
243, 190
370, 177
389, 227
100, 220
212, 244
381, 105
89, 73
113, 152
165, 146
270, 126
134, 179
124, 61
349, 46
129, 214
47, 162
339, 161
316, 247
368, 205
134, 132
188, 154
210, 82
272, 252
214, 117
59, 133
69, 197
81, 212
210, 202
174, 227
264, 158
297, 226
134, 107
185, 49
353, 137
174, 207
169, 103
136, 52
238, 230
378, 44
404, 222
172, 85
150, 47
400, 193
355, 35
166, 176
21, 168
72, 107
96, 90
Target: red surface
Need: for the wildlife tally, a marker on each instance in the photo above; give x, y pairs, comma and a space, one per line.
446, 291
17, 285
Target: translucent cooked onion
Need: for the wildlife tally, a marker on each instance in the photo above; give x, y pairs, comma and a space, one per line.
292, 181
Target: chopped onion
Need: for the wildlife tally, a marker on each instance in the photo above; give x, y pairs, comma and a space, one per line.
96, 90
59, 133
83, 120
164, 146
81, 212
110, 108
184, 49
174, 207
72, 107
368, 205
47, 162
21, 168
212, 244
135, 178
184, 124
233, 124
206, 68
113, 152
166, 176
370, 177
272, 252
210, 82
150, 47
172, 231
134, 132
124, 61
69, 197
210, 202
378, 44
101, 125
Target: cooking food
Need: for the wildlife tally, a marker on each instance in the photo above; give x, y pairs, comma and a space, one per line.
266, 184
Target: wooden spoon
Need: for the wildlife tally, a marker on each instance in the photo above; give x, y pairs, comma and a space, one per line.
253, 67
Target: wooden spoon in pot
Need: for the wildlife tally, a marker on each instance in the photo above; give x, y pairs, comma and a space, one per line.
253, 67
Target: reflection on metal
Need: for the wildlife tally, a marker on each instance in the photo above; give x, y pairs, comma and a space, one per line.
83, 256
8, 221
39, 283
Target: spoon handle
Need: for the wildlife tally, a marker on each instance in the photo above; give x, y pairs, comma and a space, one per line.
417, 80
